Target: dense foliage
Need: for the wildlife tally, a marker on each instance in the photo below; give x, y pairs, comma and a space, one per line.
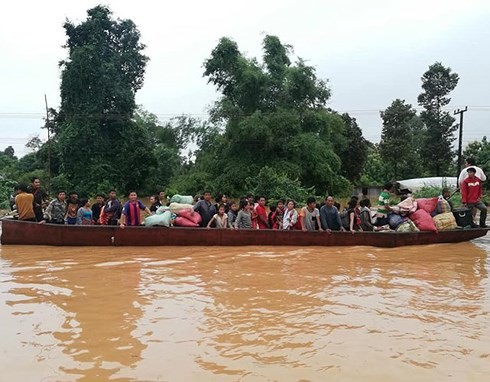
437, 83
270, 132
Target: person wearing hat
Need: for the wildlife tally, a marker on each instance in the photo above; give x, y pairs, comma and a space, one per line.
471, 193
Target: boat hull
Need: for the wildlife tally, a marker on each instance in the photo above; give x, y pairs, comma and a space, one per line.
29, 233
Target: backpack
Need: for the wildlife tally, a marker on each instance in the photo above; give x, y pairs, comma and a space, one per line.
345, 219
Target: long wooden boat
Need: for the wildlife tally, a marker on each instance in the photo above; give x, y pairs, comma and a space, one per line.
30, 233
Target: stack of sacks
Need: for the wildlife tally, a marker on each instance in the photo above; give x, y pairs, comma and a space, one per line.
186, 217
422, 217
161, 219
176, 207
184, 199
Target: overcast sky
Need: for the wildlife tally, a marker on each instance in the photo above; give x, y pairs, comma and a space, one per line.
370, 51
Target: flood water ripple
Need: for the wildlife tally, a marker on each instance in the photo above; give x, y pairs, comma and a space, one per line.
245, 313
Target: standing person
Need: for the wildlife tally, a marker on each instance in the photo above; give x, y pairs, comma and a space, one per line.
97, 207
309, 215
24, 202
383, 205
330, 216
220, 219
470, 162
41, 198
56, 211
278, 215
244, 217
354, 220
73, 204
290, 217
131, 215
112, 208
205, 209
471, 193
262, 222
84, 213
232, 214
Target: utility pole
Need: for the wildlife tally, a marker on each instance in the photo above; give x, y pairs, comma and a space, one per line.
460, 147
49, 144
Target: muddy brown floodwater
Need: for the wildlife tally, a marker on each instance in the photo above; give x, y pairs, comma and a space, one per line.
245, 314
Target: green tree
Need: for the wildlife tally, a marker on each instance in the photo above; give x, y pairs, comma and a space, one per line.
274, 116
353, 154
480, 151
98, 141
437, 83
396, 136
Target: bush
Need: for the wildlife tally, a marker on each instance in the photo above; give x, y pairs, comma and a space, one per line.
275, 186
431, 192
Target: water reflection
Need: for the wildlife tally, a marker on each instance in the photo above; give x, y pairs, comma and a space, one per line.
85, 308
246, 313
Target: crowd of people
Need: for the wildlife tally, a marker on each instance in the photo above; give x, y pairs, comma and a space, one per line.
32, 204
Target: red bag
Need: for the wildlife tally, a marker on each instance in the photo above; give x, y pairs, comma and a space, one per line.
184, 222
423, 220
189, 215
427, 204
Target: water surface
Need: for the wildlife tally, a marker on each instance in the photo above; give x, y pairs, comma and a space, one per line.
245, 313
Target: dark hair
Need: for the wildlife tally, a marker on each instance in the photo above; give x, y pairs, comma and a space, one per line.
21, 187
311, 199
352, 203
83, 201
221, 206
61, 191
291, 200
262, 196
272, 208
355, 197
34, 178
471, 161
365, 203
207, 192
112, 191
243, 203
471, 169
101, 195
73, 193
445, 189
337, 205
388, 186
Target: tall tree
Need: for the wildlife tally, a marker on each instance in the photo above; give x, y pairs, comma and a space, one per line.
100, 144
274, 115
437, 83
396, 135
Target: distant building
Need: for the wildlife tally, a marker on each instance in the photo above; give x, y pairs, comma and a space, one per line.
371, 191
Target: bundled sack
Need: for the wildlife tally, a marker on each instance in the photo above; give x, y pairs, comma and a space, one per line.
423, 220
190, 215
445, 221
186, 199
160, 210
162, 219
407, 226
184, 222
406, 206
395, 220
443, 206
427, 204
176, 207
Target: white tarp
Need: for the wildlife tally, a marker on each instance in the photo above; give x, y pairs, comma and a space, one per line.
436, 181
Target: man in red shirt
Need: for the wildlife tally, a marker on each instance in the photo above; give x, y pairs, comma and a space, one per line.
471, 192
262, 222
131, 211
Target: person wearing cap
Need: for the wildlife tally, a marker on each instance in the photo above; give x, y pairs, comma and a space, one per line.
471, 193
